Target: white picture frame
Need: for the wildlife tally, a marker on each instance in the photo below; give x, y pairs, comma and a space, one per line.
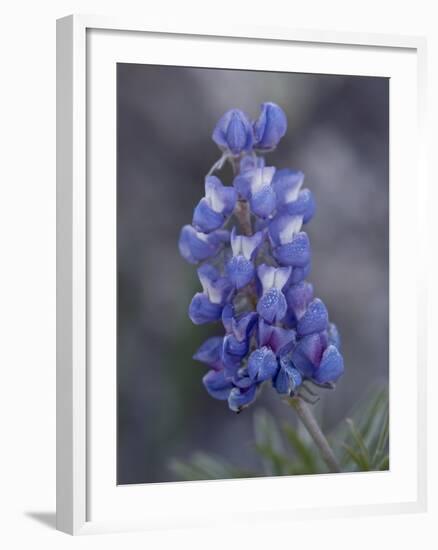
87, 501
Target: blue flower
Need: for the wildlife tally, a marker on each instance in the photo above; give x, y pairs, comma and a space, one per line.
217, 385
291, 199
233, 132
210, 352
239, 398
213, 210
207, 306
255, 186
195, 246
240, 268
287, 380
270, 127
316, 358
275, 329
236, 341
272, 305
298, 298
315, 319
291, 246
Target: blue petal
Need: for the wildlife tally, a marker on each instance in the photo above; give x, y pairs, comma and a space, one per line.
307, 354
283, 228
287, 184
287, 380
262, 364
205, 219
242, 184
232, 353
272, 306
234, 132
217, 385
249, 162
298, 298
274, 337
303, 206
245, 246
262, 203
334, 337
201, 310
227, 317
243, 325
314, 320
273, 277
215, 287
242, 380
295, 253
270, 127
300, 273
221, 198
240, 271
241, 398
210, 352
331, 367
195, 246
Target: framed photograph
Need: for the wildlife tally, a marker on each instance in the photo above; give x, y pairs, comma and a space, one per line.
240, 275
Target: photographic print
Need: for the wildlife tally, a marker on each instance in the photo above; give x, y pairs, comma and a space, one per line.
252, 273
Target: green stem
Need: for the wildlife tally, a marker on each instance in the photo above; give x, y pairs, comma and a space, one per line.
307, 418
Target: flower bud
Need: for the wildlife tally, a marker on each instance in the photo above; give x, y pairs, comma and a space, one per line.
234, 132
270, 127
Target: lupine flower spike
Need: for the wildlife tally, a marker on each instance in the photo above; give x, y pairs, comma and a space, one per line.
254, 256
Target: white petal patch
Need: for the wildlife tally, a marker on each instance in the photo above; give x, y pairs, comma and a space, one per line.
292, 226
292, 193
249, 244
213, 195
261, 178
281, 277
266, 275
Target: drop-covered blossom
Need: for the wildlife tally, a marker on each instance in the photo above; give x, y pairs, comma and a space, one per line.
255, 257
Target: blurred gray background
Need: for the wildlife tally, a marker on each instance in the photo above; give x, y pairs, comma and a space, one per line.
338, 136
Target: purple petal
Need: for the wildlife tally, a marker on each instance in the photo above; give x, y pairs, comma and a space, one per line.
217, 385
273, 277
242, 245
241, 398
195, 246
210, 352
201, 310
307, 354
298, 298
215, 287
270, 127
295, 253
303, 206
287, 184
272, 306
234, 132
300, 273
262, 203
262, 364
331, 367
283, 229
274, 337
221, 199
240, 271
205, 219
334, 338
314, 320
244, 325
287, 380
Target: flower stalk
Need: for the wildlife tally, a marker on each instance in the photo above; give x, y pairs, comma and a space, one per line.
306, 416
